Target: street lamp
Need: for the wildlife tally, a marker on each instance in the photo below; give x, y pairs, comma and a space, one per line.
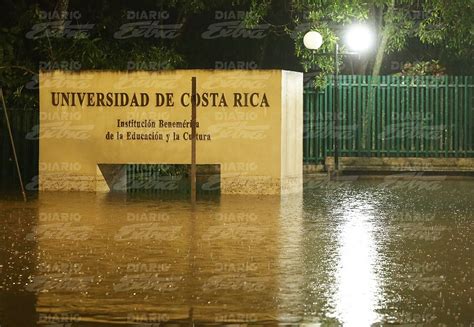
313, 40
359, 38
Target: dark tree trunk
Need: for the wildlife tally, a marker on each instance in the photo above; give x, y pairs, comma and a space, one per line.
61, 8
385, 33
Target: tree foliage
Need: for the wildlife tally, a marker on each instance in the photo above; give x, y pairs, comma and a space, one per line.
443, 27
423, 68
446, 25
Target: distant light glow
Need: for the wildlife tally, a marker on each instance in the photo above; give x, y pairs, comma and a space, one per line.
313, 40
359, 38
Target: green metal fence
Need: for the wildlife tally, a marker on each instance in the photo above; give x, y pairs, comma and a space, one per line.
391, 116
169, 179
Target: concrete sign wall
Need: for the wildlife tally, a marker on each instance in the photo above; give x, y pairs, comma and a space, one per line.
248, 122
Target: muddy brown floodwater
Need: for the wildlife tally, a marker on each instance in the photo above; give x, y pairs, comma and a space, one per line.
355, 253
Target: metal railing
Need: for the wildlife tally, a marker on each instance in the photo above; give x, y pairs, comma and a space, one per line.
391, 116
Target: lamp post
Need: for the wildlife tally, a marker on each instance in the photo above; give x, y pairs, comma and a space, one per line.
358, 39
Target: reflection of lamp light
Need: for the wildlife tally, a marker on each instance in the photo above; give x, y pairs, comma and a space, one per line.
313, 40
359, 38
356, 298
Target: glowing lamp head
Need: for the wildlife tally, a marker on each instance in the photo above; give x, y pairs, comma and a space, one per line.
359, 38
312, 40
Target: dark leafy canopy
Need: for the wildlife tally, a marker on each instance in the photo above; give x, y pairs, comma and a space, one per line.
433, 29
416, 30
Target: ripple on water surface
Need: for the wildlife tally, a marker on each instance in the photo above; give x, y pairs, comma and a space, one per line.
355, 253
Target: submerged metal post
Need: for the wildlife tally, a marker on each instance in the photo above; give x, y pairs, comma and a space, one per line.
193, 141
13, 145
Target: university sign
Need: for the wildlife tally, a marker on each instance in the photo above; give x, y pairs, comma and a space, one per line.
244, 119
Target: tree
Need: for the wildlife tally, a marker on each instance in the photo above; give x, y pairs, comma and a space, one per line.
446, 25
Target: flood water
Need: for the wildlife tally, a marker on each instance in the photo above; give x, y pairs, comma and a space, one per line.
354, 253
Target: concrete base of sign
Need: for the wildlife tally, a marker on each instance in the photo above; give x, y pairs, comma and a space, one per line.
115, 179
250, 124
405, 164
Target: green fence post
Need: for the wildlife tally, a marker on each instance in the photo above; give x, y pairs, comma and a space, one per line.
422, 112
466, 116
438, 118
325, 117
351, 129
381, 132
456, 117
305, 123
446, 117
431, 115
360, 113
329, 117
319, 127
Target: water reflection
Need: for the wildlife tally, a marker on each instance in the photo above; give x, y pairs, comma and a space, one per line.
358, 253
290, 271
356, 296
